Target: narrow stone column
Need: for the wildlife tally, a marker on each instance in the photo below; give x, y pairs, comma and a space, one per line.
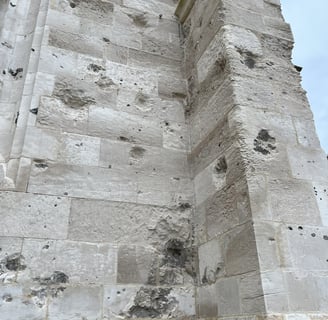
260, 175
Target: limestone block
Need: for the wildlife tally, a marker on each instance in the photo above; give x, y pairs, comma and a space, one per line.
87, 182
211, 264
144, 159
55, 114
107, 123
308, 164
199, 220
306, 134
127, 223
76, 42
41, 144
304, 247
154, 7
175, 136
16, 304
81, 263
306, 292
275, 292
76, 303
132, 78
251, 294
292, 201
207, 302
136, 264
125, 38
277, 27
28, 215
320, 192
227, 291
239, 250
268, 245
150, 106
44, 83
79, 150
67, 22
115, 53
148, 302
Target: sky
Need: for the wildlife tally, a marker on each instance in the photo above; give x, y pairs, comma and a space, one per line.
309, 22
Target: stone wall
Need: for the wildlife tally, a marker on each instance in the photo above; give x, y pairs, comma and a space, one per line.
97, 196
151, 169
260, 175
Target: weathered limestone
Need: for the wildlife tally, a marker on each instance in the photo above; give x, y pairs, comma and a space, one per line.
155, 167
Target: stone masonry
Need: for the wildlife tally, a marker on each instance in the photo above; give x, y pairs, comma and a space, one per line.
158, 159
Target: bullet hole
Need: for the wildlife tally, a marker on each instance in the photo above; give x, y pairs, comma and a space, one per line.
14, 262
3, 72
272, 239
95, 67
122, 138
55, 205
7, 298
135, 84
46, 247
160, 16
34, 111
221, 166
58, 277
263, 142
137, 152
79, 144
110, 166
118, 292
325, 237
29, 206
65, 193
128, 105
300, 228
12, 4
45, 226
250, 62
41, 165
184, 206
313, 235
72, 5
17, 74
32, 49
106, 40
290, 228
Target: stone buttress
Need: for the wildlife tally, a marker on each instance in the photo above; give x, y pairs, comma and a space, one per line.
155, 167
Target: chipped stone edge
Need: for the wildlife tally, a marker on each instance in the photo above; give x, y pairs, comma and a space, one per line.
183, 9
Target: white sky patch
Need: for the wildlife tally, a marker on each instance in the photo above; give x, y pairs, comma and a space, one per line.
309, 22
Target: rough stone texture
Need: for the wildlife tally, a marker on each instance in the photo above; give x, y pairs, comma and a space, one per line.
157, 169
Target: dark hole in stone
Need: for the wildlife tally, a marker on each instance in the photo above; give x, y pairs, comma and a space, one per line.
14, 262
175, 253
265, 136
72, 5
290, 228
95, 67
184, 206
221, 166
298, 68
125, 139
250, 62
106, 40
7, 298
34, 110
46, 247
57, 277
41, 165
16, 73
12, 4
325, 237
300, 228
313, 235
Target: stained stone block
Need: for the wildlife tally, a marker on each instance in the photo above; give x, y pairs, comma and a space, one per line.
207, 302
227, 291
136, 264
15, 304
77, 262
293, 201
321, 195
127, 223
29, 215
239, 250
76, 303
148, 302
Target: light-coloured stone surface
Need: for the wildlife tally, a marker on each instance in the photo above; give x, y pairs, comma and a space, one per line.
157, 168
